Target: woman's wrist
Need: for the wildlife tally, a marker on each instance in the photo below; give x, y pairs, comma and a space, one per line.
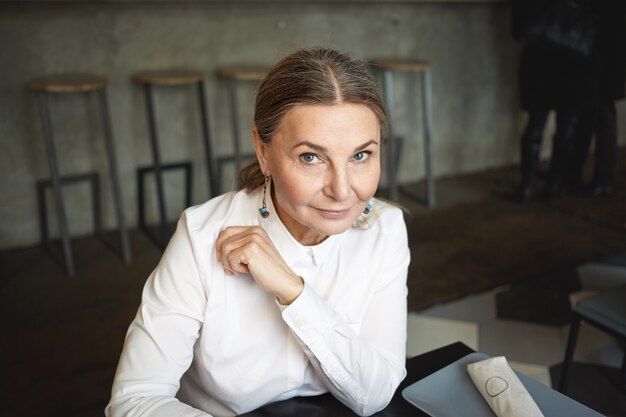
288, 294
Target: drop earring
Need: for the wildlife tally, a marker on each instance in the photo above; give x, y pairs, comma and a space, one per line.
368, 208
263, 210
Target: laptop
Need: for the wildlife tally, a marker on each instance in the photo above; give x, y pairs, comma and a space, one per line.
450, 392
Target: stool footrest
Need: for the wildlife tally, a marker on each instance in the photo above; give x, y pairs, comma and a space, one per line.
93, 179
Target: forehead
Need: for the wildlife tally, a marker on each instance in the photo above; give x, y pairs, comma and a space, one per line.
327, 124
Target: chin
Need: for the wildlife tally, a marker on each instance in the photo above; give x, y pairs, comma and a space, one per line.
329, 227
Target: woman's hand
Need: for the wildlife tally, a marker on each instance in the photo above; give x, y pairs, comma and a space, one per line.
248, 249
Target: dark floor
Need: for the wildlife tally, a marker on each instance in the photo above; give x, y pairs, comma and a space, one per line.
62, 336
479, 237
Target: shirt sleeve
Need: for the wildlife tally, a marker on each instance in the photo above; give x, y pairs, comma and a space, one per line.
159, 344
361, 370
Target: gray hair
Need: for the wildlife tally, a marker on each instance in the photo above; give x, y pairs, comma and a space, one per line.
310, 76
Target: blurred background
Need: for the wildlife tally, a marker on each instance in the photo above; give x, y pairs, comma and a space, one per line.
475, 112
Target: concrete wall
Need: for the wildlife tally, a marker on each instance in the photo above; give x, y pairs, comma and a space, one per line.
476, 116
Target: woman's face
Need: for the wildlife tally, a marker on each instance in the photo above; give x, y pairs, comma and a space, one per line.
325, 164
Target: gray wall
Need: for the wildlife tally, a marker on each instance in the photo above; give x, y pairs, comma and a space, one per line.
476, 118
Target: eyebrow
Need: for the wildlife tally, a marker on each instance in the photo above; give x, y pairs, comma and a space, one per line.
323, 149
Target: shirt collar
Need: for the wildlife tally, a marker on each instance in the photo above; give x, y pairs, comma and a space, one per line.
290, 249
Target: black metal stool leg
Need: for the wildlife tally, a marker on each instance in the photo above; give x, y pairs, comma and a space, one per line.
164, 235
188, 184
212, 180
43, 218
96, 203
622, 381
114, 174
392, 181
428, 154
569, 351
56, 183
141, 218
234, 119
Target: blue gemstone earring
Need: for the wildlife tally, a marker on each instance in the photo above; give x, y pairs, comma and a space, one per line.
368, 208
263, 210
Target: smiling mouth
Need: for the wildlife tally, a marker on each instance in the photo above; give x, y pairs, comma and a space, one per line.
334, 214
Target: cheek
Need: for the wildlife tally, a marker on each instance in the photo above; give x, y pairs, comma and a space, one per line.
366, 184
294, 191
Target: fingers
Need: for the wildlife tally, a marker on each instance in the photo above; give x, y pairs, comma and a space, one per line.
236, 261
234, 232
236, 247
243, 249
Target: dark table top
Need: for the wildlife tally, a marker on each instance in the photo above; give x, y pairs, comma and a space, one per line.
326, 405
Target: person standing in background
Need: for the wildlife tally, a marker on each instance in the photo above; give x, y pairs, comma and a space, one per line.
553, 75
599, 118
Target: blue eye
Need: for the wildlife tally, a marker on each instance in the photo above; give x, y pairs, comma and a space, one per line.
309, 158
360, 156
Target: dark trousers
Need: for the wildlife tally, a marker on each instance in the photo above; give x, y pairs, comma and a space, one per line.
601, 121
531, 146
561, 146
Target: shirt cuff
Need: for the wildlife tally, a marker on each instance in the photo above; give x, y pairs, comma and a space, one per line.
307, 309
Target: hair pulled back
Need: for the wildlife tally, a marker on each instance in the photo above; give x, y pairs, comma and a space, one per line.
310, 76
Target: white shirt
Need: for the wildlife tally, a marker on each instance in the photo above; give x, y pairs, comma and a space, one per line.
205, 342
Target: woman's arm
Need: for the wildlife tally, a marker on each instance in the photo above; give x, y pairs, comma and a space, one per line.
361, 370
159, 344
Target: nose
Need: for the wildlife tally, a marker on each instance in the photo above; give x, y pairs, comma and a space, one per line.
338, 184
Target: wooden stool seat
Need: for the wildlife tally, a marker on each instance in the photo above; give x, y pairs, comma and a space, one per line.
243, 72
401, 65
68, 83
179, 76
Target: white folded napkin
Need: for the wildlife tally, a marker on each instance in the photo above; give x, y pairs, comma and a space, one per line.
502, 389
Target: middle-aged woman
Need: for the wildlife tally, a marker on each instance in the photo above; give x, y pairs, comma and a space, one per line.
294, 285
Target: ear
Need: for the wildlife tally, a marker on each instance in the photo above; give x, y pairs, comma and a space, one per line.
261, 151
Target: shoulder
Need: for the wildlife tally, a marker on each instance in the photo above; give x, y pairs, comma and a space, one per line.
235, 207
381, 245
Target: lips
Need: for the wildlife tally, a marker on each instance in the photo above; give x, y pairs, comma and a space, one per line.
334, 214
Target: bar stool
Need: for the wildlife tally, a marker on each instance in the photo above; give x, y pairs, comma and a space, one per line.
387, 67
171, 77
65, 84
232, 75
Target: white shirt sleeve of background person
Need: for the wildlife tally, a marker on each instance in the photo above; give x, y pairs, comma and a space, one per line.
159, 344
361, 370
